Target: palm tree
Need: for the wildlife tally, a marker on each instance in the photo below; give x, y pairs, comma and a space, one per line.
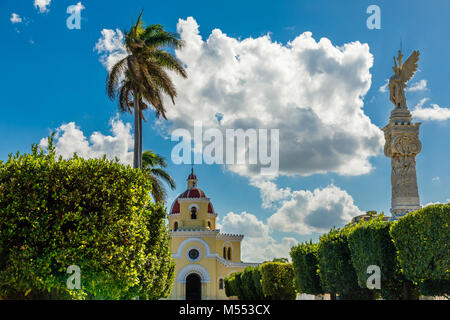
154, 164
140, 79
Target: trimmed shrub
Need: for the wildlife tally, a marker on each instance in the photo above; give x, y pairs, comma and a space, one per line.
95, 214
304, 258
278, 281
239, 286
230, 284
251, 284
371, 244
257, 283
336, 271
246, 285
422, 240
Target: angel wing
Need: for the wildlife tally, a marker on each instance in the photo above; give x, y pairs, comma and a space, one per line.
409, 67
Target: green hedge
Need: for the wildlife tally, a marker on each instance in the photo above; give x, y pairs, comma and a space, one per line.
371, 244
251, 283
246, 285
422, 239
278, 281
306, 268
336, 271
92, 213
230, 283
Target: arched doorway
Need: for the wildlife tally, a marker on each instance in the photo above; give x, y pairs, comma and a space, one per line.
193, 287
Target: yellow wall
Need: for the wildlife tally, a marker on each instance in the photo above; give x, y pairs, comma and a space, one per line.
215, 268
195, 233
184, 218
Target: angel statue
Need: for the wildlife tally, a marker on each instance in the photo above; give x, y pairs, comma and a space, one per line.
403, 72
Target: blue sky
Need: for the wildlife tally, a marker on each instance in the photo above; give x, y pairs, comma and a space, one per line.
53, 76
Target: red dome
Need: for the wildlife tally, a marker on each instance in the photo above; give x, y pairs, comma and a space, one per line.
192, 193
210, 208
175, 207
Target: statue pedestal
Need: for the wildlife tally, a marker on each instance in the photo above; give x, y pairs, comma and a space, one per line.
402, 146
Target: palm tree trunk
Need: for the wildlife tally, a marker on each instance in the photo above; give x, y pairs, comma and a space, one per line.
136, 162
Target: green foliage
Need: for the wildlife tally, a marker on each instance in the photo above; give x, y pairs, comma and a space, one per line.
230, 283
278, 281
336, 271
371, 244
435, 288
422, 240
239, 286
92, 213
304, 258
284, 260
246, 285
251, 284
155, 166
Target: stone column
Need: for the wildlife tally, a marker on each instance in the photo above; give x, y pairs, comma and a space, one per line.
402, 145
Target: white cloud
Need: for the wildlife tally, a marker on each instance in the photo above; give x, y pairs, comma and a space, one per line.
244, 223
318, 211
312, 91
42, 5
418, 86
258, 245
436, 179
384, 87
434, 113
433, 203
270, 193
301, 211
15, 18
111, 47
69, 139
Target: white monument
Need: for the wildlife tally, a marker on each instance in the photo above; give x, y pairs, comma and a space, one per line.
402, 140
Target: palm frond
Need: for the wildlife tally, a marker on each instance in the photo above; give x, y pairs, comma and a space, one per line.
164, 176
113, 77
158, 191
152, 160
168, 61
125, 103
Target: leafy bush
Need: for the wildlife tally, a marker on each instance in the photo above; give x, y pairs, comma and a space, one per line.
336, 271
257, 283
246, 285
371, 244
304, 258
422, 239
251, 284
230, 283
239, 286
95, 214
278, 281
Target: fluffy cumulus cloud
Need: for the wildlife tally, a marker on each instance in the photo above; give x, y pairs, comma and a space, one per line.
434, 113
111, 47
314, 211
15, 18
258, 245
301, 212
271, 195
418, 86
311, 90
42, 5
70, 139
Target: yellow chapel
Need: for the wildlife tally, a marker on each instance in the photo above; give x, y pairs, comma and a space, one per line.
203, 256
